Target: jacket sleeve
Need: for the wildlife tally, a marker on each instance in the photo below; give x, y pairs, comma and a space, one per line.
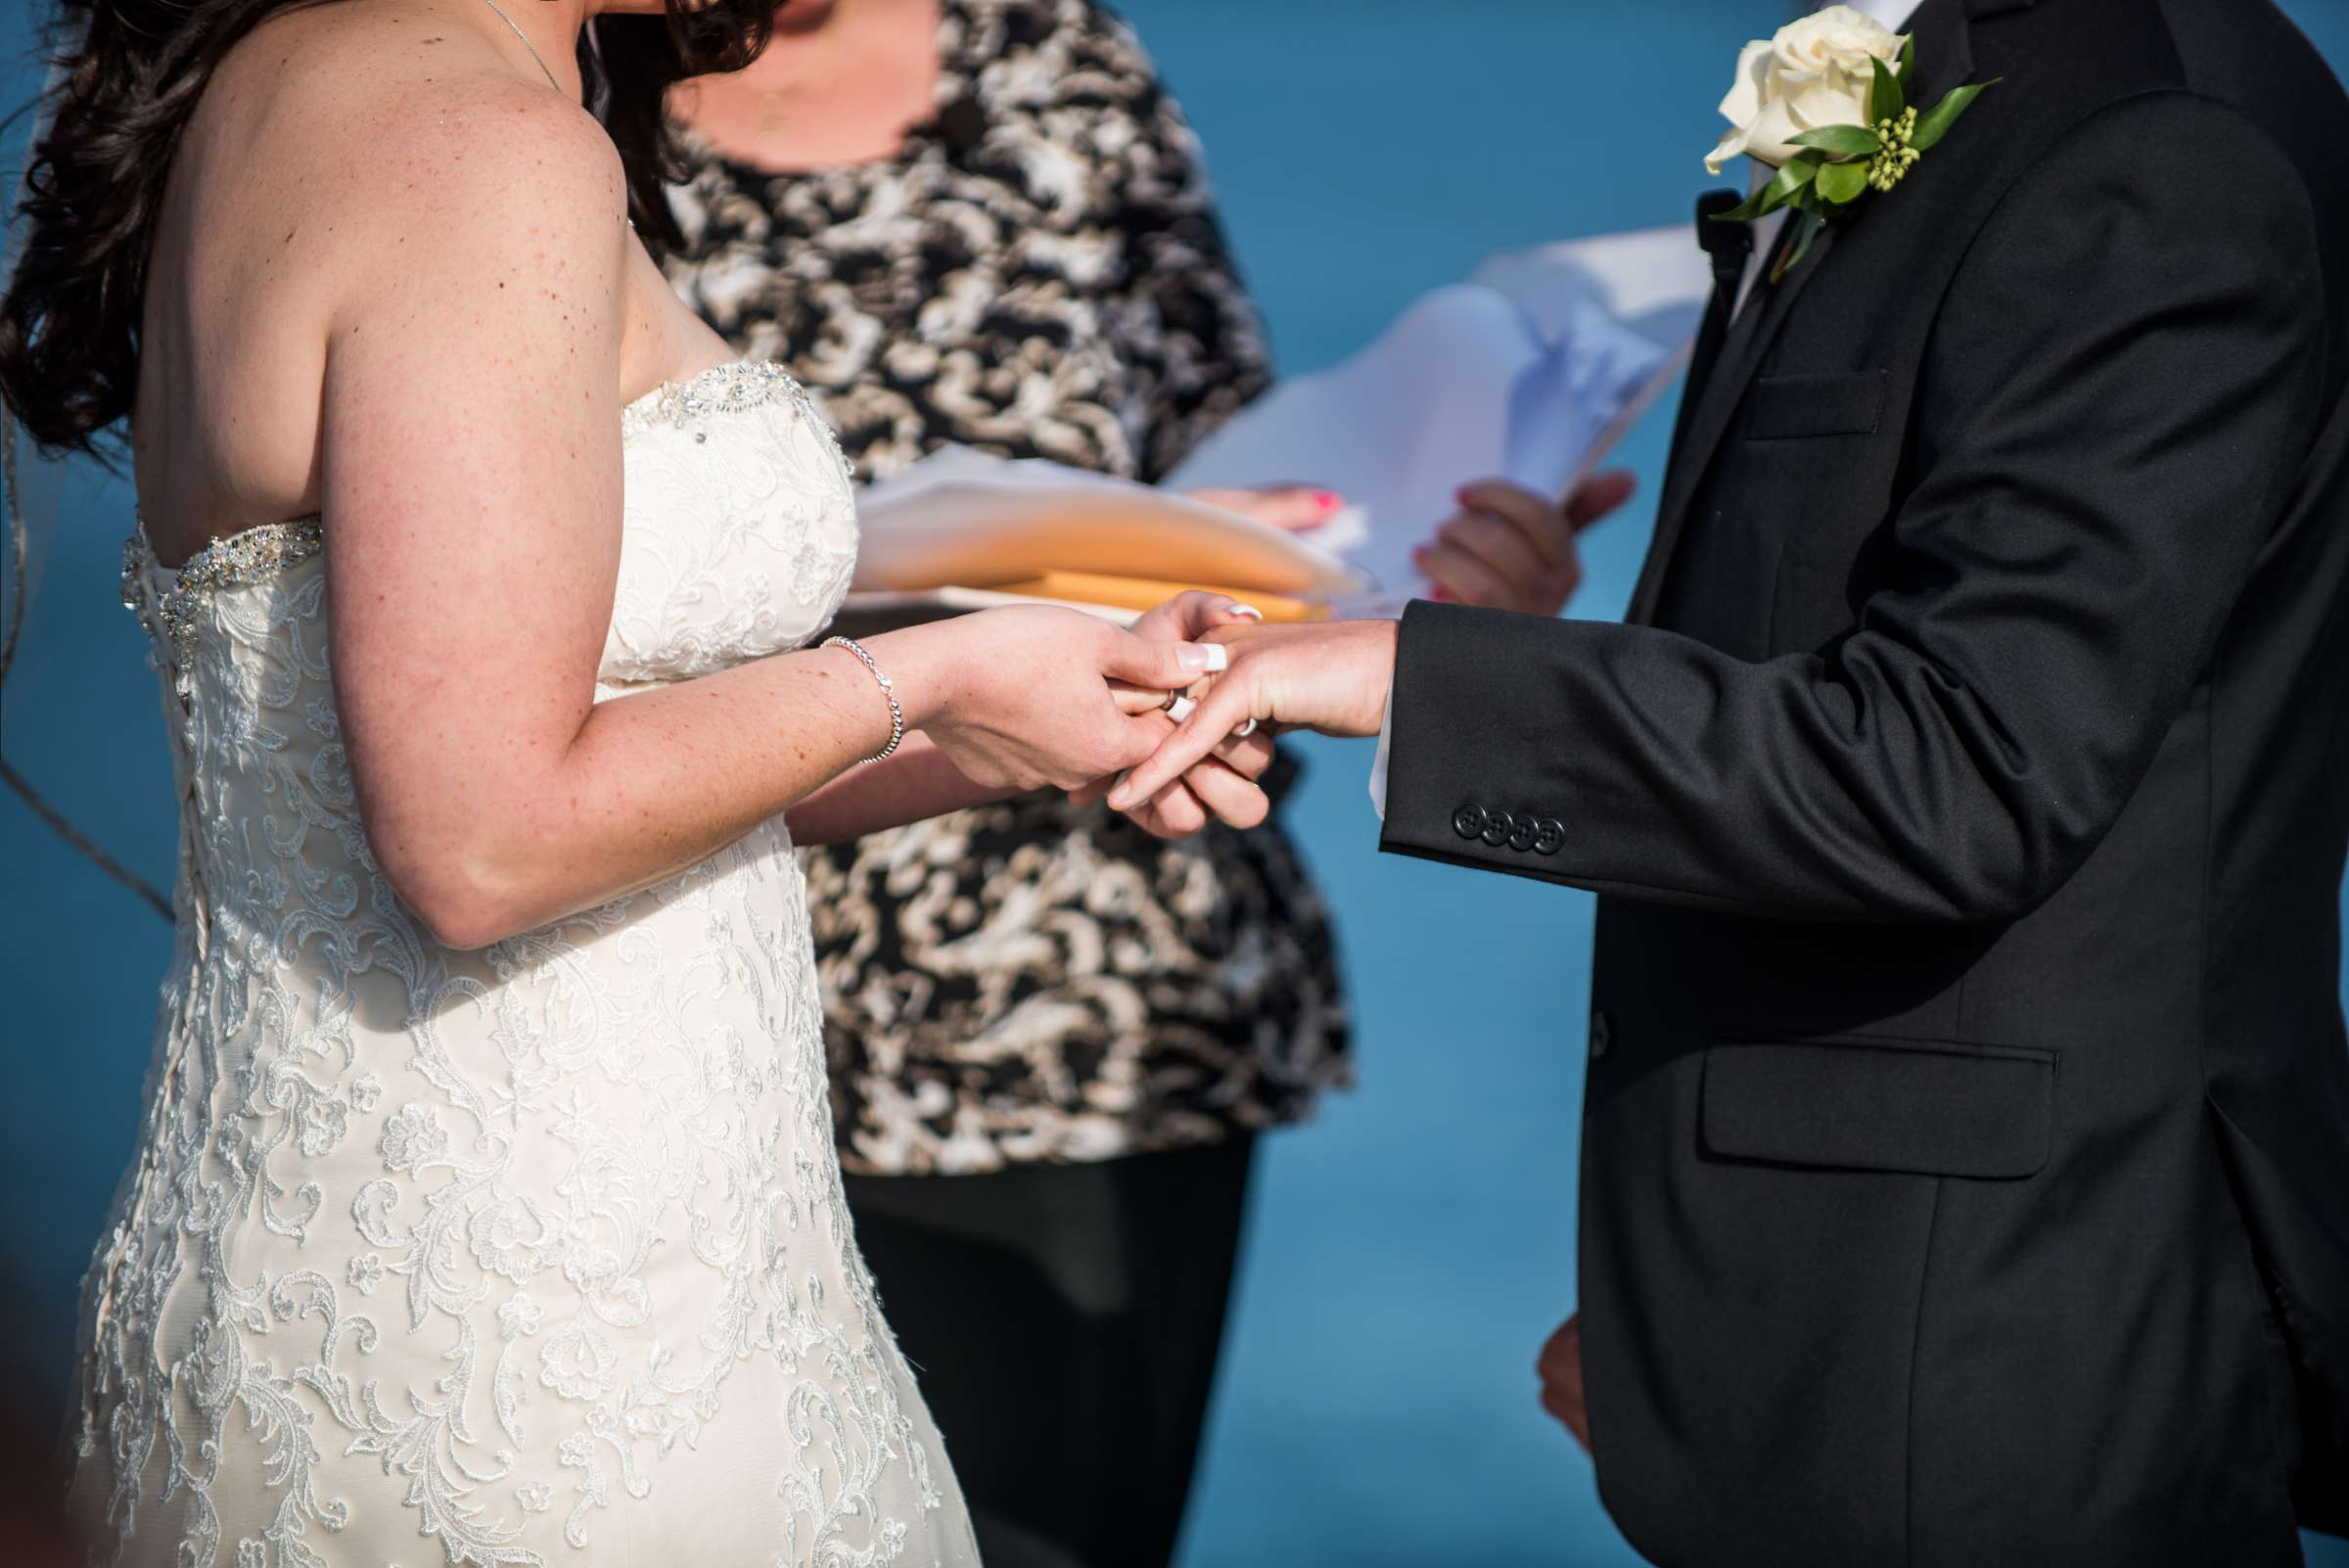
2121, 383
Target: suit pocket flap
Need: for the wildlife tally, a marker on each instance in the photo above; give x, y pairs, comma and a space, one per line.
1785, 407
1875, 1105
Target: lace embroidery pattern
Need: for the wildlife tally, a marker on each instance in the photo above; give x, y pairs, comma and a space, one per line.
505, 1258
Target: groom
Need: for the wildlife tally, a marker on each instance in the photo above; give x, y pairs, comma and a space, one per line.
1965, 1172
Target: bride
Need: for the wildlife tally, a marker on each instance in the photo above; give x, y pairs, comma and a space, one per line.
484, 1209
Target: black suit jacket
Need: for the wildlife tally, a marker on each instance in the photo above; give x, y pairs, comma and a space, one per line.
1966, 1148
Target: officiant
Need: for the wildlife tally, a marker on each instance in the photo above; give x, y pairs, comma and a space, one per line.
1053, 1039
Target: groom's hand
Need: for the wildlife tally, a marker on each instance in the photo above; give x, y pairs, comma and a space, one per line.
1562, 1371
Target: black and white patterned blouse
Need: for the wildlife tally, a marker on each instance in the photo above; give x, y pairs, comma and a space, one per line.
1036, 272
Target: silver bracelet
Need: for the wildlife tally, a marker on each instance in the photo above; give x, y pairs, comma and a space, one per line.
896, 713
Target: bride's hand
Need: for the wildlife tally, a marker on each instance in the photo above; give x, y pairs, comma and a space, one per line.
1023, 697
1332, 676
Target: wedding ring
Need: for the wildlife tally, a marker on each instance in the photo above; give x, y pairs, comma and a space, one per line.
1172, 699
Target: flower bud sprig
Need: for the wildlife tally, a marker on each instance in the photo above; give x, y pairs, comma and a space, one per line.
1896, 156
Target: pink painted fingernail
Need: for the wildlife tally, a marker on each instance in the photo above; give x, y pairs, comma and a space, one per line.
1328, 500
1440, 594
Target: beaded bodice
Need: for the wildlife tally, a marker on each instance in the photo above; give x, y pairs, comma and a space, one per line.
529, 1254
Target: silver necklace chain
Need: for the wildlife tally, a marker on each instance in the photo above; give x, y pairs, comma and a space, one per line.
526, 42
534, 54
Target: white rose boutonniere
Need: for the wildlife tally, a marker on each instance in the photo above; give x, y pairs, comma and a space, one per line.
1825, 104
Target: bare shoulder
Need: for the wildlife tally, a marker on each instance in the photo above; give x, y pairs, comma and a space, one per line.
398, 133
375, 188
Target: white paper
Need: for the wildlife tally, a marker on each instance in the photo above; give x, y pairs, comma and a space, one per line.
1530, 371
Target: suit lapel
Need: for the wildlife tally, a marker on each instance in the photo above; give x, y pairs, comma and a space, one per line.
1944, 59
1750, 337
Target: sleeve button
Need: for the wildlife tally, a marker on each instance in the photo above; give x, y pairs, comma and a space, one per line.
1603, 1036
1468, 822
1499, 825
1549, 836
1523, 834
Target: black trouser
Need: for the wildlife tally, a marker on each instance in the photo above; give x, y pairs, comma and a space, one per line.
1064, 1321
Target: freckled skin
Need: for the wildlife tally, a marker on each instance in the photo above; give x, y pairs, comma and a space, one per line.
461, 438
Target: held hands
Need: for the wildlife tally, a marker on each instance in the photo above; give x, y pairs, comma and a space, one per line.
1036, 696
1330, 675
1222, 785
1023, 697
1506, 548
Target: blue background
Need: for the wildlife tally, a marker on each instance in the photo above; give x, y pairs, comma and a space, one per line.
1410, 1250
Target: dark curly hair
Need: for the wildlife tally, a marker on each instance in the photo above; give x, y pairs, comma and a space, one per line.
129, 77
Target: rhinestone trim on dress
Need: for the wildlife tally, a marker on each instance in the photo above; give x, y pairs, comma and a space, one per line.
727, 389
235, 561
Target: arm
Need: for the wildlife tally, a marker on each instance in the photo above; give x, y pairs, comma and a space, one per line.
471, 473
921, 781
918, 782
2125, 378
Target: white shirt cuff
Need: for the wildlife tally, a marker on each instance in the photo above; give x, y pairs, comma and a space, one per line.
1378, 764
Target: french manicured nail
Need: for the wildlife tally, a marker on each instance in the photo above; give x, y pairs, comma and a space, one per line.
1243, 612
1181, 710
1245, 730
1203, 658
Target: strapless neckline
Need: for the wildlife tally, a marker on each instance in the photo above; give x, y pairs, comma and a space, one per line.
735, 384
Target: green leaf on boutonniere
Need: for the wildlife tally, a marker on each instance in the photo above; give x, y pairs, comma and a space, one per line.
1885, 100
1935, 122
1807, 227
1798, 172
1840, 141
1907, 68
1841, 183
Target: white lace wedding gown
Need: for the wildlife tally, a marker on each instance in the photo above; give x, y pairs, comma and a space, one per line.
530, 1255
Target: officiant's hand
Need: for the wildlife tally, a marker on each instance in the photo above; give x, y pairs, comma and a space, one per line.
1511, 548
1330, 675
1561, 1368
1294, 507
